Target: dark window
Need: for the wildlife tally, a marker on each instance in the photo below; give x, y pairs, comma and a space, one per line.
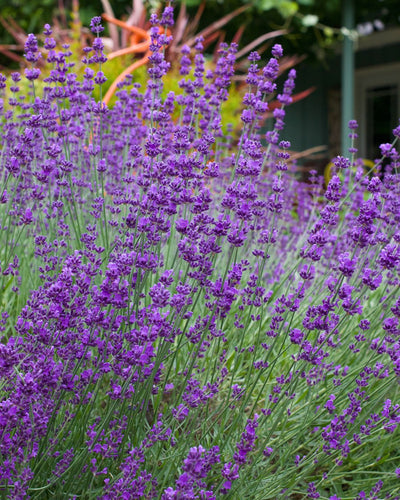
381, 117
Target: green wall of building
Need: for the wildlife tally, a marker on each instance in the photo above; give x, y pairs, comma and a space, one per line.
307, 120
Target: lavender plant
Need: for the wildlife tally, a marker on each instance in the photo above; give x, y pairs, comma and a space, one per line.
181, 317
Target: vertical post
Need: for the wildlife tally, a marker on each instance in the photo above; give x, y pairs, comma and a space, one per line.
347, 74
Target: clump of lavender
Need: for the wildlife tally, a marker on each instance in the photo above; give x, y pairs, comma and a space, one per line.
181, 318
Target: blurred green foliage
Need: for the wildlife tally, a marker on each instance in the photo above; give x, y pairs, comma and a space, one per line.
32, 14
313, 24
29, 15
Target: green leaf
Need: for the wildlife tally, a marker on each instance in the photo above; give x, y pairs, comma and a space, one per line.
306, 2
288, 9
285, 7
268, 4
192, 3
328, 32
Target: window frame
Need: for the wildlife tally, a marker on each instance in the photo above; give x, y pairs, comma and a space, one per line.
368, 78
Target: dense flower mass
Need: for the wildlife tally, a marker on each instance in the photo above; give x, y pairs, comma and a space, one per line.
181, 316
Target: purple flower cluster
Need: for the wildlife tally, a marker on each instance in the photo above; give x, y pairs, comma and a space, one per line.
181, 317
196, 467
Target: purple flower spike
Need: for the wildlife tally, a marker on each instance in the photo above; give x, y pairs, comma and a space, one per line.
396, 131
95, 25
353, 125
277, 51
247, 442
32, 53
167, 17
47, 30
286, 96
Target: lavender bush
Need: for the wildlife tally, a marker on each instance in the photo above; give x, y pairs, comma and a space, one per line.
181, 317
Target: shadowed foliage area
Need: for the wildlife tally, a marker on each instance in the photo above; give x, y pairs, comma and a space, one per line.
313, 24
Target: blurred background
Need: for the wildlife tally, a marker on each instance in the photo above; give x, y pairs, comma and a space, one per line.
346, 54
